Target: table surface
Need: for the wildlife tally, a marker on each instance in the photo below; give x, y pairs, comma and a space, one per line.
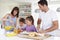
3, 37
56, 35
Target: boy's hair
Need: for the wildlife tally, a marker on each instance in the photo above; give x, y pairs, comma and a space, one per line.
30, 18
22, 20
43, 2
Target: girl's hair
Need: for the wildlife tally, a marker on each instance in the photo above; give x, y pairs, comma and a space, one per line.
30, 18
15, 8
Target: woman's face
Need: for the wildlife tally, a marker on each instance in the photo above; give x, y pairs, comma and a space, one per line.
28, 22
14, 12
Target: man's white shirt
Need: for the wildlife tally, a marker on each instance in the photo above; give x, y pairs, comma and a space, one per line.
47, 19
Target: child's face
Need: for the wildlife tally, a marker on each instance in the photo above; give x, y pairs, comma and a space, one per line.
28, 22
21, 23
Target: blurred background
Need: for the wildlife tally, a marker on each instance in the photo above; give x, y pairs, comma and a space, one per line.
28, 7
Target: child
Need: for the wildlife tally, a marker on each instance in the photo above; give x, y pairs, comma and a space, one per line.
22, 23
30, 25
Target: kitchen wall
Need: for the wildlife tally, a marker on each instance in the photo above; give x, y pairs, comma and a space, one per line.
6, 7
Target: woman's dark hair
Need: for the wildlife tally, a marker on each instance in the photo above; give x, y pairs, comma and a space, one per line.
22, 20
30, 18
43, 2
17, 9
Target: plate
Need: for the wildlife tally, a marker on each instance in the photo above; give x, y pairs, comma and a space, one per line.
24, 33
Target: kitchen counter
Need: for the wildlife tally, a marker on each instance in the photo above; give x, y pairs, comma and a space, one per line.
3, 37
56, 35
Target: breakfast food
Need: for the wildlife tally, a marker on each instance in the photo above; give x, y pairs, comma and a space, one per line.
32, 34
17, 31
11, 34
8, 27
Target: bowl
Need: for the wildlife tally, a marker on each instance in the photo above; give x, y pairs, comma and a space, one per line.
8, 27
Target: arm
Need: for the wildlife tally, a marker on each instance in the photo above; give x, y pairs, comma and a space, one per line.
17, 22
38, 24
24, 29
54, 23
5, 17
34, 29
54, 27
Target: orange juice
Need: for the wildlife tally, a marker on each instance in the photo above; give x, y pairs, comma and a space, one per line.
17, 31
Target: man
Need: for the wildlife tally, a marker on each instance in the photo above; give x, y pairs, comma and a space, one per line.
47, 18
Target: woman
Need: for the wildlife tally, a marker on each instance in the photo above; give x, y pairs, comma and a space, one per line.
11, 19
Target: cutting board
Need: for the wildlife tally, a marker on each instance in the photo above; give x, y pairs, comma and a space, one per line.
36, 37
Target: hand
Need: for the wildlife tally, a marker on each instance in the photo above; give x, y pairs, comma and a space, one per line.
20, 29
38, 28
41, 31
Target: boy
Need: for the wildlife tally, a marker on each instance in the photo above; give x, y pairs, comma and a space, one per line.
21, 23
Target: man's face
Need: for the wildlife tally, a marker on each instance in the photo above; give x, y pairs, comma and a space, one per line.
41, 7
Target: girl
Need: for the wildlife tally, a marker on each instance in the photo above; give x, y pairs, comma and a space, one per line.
30, 25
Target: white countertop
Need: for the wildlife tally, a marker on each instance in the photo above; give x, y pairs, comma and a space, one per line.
3, 37
56, 35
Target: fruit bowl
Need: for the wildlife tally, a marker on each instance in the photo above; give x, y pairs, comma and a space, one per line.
8, 27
